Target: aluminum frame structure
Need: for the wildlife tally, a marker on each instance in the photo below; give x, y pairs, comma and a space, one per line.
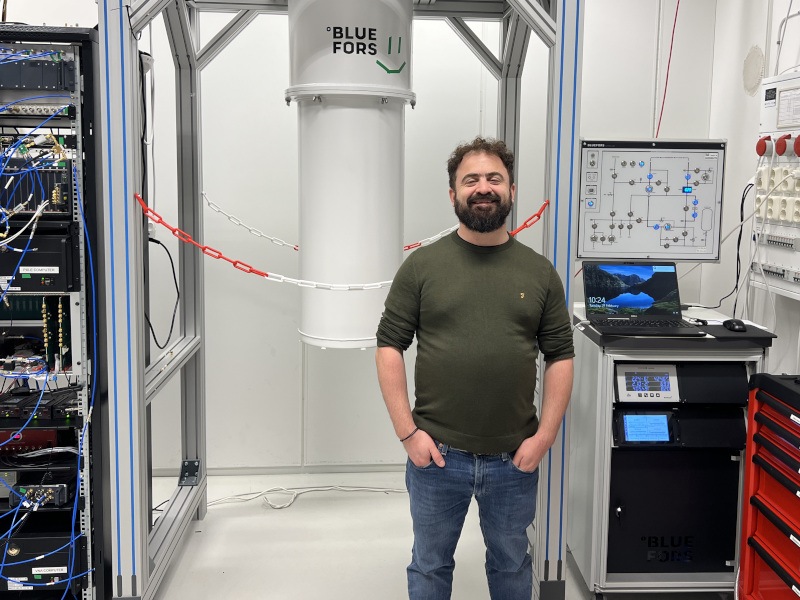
139, 555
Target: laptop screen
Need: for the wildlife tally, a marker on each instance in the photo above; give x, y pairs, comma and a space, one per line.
631, 289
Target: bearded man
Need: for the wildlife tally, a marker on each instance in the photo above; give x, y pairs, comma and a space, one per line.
482, 306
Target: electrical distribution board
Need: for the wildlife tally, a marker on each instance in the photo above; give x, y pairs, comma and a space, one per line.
777, 203
650, 199
45, 394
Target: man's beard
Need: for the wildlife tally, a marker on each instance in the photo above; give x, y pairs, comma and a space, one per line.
482, 219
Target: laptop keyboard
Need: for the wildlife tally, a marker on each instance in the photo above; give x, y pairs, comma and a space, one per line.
640, 323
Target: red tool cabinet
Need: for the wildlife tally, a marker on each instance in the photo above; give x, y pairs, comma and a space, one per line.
770, 556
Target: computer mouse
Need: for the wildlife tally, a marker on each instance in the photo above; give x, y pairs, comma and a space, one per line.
734, 325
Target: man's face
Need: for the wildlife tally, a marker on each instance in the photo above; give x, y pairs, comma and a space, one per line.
483, 196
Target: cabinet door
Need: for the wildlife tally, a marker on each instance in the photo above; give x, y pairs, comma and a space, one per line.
672, 511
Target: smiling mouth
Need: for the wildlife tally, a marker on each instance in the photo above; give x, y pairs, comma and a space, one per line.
484, 205
482, 201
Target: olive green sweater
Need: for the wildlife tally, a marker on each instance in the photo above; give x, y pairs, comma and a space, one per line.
481, 315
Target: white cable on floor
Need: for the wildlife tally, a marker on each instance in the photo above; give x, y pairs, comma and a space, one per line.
295, 492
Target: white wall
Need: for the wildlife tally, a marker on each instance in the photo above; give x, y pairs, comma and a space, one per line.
742, 25
625, 53
57, 13
734, 116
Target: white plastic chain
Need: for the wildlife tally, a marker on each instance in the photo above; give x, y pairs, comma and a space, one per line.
279, 242
239, 223
432, 239
336, 287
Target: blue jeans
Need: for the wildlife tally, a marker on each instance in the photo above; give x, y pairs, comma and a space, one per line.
440, 498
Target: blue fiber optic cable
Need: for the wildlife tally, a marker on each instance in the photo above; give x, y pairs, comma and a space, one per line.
19, 175
11, 490
41, 556
31, 57
45, 585
13, 148
15, 54
7, 537
73, 537
91, 281
93, 295
14, 525
44, 54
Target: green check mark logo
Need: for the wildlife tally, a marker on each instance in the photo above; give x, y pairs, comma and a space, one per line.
389, 51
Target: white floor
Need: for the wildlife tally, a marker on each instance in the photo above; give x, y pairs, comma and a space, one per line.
332, 545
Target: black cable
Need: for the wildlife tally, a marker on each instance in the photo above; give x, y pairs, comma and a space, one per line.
143, 138
746, 191
177, 299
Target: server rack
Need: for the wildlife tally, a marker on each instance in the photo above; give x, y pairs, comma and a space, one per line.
52, 371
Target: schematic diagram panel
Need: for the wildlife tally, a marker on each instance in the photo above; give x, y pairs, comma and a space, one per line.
650, 199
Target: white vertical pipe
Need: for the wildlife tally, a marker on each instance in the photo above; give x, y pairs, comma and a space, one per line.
351, 76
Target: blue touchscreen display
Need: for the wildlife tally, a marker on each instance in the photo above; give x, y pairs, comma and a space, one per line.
646, 428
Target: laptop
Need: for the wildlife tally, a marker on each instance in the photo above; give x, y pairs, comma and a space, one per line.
635, 298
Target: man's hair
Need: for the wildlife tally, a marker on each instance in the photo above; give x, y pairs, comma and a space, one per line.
488, 145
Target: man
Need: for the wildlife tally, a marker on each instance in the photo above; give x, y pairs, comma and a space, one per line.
482, 306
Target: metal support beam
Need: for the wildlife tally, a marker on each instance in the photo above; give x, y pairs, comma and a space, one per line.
122, 268
475, 44
280, 6
182, 37
144, 11
182, 29
166, 538
537, 18
491, 10
225, 36
562, 176
515, 47
160, 372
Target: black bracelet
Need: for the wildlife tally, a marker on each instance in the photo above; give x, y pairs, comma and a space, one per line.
416, 429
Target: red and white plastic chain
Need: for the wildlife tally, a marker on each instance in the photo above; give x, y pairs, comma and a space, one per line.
530, 221
186, 238
245, 268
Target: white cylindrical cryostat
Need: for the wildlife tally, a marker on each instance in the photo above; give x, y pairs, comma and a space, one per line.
350, 75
